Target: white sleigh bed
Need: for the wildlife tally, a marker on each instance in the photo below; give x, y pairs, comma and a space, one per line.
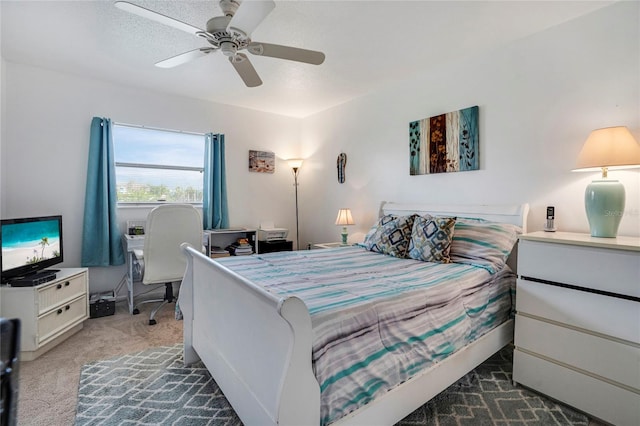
258, 344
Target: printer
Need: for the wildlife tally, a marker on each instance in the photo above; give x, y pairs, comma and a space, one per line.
267, 232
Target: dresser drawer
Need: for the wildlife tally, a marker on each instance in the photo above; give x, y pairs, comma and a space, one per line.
612, 360
49, 296
615, 271
599, 398
65, 316
610, 316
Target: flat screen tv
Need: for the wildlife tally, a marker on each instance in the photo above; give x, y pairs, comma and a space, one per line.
30, 245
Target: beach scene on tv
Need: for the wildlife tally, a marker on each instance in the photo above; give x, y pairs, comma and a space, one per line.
29, 242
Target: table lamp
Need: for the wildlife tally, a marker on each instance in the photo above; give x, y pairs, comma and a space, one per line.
344, 218
606, 149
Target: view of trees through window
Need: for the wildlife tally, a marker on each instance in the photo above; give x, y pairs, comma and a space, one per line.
157, 165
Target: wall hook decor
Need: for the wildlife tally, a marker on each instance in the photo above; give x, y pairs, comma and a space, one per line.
342, 162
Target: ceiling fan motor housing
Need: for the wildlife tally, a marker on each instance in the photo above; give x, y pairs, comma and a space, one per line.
218, 25
218, 36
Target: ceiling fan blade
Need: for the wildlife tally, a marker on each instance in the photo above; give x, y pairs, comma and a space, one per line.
249, 15
286, 52
246, 71
155, 16
185, 57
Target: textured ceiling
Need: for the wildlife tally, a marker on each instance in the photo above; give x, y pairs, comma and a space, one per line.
368, 44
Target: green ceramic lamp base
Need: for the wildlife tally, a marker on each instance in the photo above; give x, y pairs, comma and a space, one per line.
604, 202
344, 235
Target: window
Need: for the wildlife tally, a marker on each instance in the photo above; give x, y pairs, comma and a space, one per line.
154, 165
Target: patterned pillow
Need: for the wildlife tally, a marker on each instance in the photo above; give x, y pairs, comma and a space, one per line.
391, 235
483, 243
431, 239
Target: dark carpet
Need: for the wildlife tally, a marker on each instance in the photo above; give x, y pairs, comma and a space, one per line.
153, 388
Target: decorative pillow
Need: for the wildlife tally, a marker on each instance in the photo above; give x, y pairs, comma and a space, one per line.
483, 243
391, 235
431, 239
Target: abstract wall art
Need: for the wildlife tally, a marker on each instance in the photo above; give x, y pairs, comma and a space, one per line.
445, 143
262, 161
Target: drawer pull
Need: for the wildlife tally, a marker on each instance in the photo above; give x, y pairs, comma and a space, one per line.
59, 311
66, 284
59, 286
66, 308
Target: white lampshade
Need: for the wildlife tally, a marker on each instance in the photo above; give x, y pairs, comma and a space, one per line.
344, 217
611, 147
295, 163
606, 149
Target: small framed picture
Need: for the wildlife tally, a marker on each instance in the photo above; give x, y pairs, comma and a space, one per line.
262, 161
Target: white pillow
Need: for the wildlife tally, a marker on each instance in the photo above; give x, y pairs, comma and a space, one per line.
483, 243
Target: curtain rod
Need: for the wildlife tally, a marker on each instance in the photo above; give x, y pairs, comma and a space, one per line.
138, 126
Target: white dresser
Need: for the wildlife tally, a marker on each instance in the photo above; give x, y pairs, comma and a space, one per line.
49, 313
577, 332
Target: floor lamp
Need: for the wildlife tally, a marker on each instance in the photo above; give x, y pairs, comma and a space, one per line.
295, 165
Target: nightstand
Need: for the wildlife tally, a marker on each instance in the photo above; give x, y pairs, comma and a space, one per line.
329, 245
577, 331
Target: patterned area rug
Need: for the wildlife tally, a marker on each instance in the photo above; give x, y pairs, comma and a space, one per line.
153, 388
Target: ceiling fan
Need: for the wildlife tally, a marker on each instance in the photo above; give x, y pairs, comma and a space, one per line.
230, 34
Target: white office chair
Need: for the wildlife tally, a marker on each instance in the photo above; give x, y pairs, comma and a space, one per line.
161, 261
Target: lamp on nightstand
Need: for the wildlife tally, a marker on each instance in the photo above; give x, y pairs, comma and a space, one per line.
344, 218
606, 149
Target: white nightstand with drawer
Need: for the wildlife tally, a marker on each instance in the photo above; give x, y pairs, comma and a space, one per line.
577, 332
49, 313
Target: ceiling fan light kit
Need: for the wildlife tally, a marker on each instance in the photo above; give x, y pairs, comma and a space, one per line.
229, 34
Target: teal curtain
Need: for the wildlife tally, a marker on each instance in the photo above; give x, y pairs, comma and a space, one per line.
215, 213
100, 234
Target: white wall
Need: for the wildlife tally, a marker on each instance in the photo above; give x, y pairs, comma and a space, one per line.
539, 98
46, 119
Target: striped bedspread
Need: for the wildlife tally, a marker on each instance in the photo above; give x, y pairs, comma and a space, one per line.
378, 320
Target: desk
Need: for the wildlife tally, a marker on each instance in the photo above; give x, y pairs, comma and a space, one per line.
131, 243
136, 242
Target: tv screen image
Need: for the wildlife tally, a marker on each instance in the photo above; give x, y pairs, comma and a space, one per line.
30, 244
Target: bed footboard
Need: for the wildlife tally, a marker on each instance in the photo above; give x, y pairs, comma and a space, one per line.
256, 345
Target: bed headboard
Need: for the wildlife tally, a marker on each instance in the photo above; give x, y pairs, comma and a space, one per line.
515, 214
